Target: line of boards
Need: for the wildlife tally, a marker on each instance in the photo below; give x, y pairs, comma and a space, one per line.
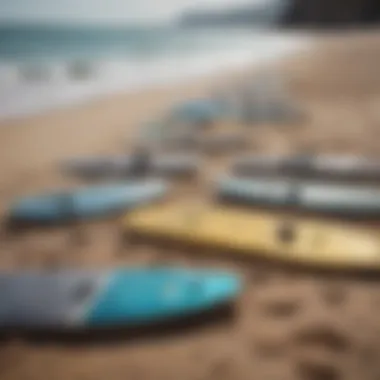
103, 200
253, 234
304, 166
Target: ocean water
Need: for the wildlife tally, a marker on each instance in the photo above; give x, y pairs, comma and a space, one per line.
49, 67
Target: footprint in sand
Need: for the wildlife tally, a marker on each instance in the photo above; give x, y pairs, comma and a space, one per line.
260, 276
268, 347
271, 341
309, 369
220, 369
280, 301
334, 294
323, 336
281, 308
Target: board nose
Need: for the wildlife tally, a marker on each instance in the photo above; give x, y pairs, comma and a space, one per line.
222, 287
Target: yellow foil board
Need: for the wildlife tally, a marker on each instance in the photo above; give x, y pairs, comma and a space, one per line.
317, 243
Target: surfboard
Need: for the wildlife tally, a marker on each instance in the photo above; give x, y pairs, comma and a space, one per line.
125, 166
80, 299
89, 202
197, 112
257, 234
348, 167
339, 200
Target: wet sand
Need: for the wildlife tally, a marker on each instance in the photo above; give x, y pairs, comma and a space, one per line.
288, 324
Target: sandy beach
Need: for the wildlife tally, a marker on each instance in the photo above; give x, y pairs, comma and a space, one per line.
288, 324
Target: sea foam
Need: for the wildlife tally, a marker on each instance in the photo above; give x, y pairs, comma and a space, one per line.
31, 88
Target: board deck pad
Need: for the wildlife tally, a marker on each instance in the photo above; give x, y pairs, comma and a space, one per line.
127, 296
317, 243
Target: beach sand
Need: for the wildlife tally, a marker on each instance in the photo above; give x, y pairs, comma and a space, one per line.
288, 324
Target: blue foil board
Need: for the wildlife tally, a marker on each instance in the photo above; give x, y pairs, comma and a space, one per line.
130, 296
88, 202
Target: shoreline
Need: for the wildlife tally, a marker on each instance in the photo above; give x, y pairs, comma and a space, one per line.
57, 86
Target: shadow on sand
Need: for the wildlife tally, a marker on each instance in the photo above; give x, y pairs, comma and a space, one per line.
102, 336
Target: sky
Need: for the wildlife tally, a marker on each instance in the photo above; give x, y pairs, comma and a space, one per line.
99, 11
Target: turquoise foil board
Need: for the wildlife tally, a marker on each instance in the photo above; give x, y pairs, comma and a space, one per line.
130, 296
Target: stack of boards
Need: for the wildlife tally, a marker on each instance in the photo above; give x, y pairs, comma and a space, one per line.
76, 300
316, 243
